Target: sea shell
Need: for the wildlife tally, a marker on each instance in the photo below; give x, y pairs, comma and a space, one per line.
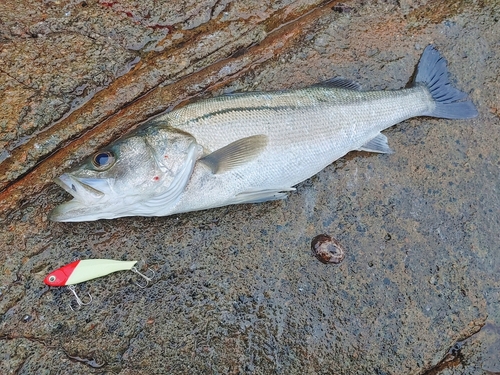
327, 249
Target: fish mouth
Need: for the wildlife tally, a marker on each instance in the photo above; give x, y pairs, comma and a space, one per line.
80, 189
89, 199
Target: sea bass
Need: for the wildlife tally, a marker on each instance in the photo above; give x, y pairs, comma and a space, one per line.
249, 147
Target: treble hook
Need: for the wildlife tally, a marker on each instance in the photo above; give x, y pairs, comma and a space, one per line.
78, 299
148, 279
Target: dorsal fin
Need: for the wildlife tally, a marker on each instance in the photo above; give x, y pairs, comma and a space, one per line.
340, 83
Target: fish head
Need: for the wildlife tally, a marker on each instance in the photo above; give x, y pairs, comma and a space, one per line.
114, 181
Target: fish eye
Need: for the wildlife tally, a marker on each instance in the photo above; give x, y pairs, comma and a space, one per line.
103, 160
52, 278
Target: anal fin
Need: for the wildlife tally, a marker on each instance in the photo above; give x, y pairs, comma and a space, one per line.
378, 144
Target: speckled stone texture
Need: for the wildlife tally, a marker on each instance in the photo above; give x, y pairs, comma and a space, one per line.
236, 289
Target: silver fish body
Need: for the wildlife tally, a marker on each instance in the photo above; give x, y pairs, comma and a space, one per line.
248, 147
306, 131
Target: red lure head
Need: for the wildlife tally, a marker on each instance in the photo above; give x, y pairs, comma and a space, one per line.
61, 275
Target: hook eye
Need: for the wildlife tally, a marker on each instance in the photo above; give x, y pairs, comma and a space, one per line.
148, 279
79, 301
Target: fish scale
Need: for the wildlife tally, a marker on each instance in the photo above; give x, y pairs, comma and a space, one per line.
323, 126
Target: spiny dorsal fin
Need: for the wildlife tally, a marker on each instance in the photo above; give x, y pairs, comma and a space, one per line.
235, 154
378, 144
340, 83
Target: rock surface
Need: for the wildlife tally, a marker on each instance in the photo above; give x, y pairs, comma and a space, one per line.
236, 289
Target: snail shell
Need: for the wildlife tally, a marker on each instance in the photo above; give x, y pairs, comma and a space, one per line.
327, 249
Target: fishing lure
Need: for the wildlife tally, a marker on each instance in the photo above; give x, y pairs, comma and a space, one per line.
88, 269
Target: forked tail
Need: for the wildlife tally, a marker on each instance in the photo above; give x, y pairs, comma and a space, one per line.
450, 102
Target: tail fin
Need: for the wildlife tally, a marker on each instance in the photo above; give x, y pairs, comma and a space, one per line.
450, 102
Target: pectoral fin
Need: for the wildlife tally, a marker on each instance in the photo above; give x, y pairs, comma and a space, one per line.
235, 154
378, 144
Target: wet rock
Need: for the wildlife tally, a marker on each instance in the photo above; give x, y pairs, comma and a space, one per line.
421, 225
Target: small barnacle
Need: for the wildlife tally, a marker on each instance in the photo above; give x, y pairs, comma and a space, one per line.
327, 249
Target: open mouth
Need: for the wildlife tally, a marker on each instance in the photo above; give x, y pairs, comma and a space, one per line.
83, 190
90, 199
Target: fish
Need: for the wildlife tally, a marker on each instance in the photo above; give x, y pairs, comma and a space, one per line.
249, 147
87, 269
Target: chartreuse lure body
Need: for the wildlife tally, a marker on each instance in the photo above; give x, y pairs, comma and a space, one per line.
88, 269
84, 270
